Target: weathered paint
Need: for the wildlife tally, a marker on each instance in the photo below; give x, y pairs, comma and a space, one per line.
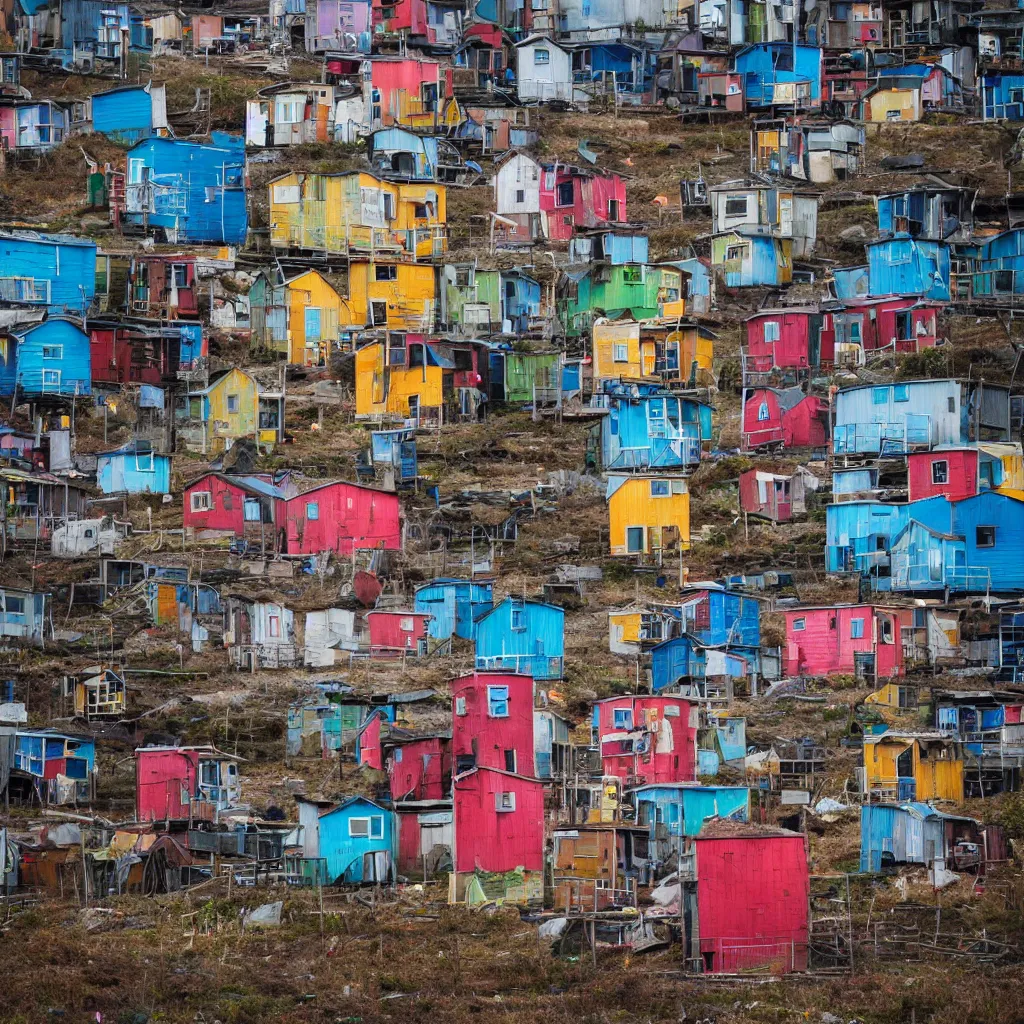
298, 318
228, 503
845, 639
48, 358
648, 515
393, 631
453, 606
420, 769
175, 782
352, 855
651, 739
790, 418
339, 517
914, 767
492, 722
133, 471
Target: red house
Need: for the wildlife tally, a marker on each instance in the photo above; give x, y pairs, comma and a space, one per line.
339, 517
123, 352
492, 722
647, 739
184, 783
899, 323
370, 741
163, 286
787, 417
425, 838
855, 639
752, 898
420, 768
955, 472
573, 197
393, 633
499, 828
788, 339
238, 506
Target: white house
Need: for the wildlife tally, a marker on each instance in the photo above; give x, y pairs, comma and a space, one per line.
543, 71
517, 187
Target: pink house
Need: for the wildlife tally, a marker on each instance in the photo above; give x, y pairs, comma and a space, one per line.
420, 768
857, 639
339, 517
238, 506
953, 472
393, 633
184, 783
499, 827
787, 418
788, 339
573, 197
647, 739
492, 722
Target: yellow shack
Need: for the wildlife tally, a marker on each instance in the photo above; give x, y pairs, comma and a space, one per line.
913, 766
398, 296
232, 406
619, 351
355, 211
412, 388
648, 515
297, 318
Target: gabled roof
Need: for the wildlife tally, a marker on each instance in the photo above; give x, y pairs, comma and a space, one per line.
251, 484
357, 800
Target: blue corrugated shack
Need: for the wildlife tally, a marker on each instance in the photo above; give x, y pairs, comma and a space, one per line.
357, 839
771, 71
193, 191
51, 357
997, 268
95, 26
906, 266
752, 260
41, 755
650, 426
892, 419
520, 299
55, 272
850, 282
686, 658
858, 534
940, 212
133, 468
129, 113
522, 636
1002, 96
615, 247
454, 605
397, 153
910, 833
678, 811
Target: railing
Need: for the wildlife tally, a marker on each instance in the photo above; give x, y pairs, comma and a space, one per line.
882, 438
539, 666
916, 575
586, 895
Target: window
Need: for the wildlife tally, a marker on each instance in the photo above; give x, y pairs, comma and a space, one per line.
633, 275
385, 272
613, 209
497, 702
799, 624
564, 194
419, 211
879, 396
620, 353
660, 489
856, 629
371, 827
14, 606
771, 331
736, 252
275, 625
313, 510
762, 412
520, 195
518, 619
951, 404
622, 718
541, 57
900, 393
201, 501
389, 206
232, 403
736, 206
460, 706
940, 472
51, 378
53, 351
504, 802
144, 462
985, 536
179, 275
378, 313
634, 540
510, 761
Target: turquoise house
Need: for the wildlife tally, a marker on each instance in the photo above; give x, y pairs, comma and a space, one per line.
358, 841
133, 469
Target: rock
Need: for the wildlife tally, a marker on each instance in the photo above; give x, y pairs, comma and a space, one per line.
855, 232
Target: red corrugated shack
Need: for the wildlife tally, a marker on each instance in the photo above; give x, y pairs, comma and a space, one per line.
790, 339
397, 632
752, 899
785, 417
499, 837
339, 517
647, 739
183, 783
420, 769
239, 506
492, 722
949, 471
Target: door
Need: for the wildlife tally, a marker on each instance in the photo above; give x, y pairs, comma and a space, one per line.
414, 409
377, 867
634, 540
312, 325
864, 666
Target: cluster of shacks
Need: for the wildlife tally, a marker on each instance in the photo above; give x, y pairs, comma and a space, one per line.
493, 780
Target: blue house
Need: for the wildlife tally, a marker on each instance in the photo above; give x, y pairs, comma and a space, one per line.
522, 636
405, 156
939, 213
48, 358
698, 298
850, 282
750, 259
902, 265
685, 658
996, 266
129, 113
676, 812
771, 74
54, 272
1002, 96
520, 299
912, 833
192, 191
604, 246
94, 26
893, 419
454, 605
858, 534
41, 755
630, 66
358, 841
648, 426
134, 468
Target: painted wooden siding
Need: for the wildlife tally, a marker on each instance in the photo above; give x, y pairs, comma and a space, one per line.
490, 840
632, 503
347, 516
478, 734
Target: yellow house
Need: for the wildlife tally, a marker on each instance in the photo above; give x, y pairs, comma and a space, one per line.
297, 318
387, 388
648, 515
682, 349
395, 295
897, 696
232, 406
892, 104
355, 211
619, 351
913, 766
